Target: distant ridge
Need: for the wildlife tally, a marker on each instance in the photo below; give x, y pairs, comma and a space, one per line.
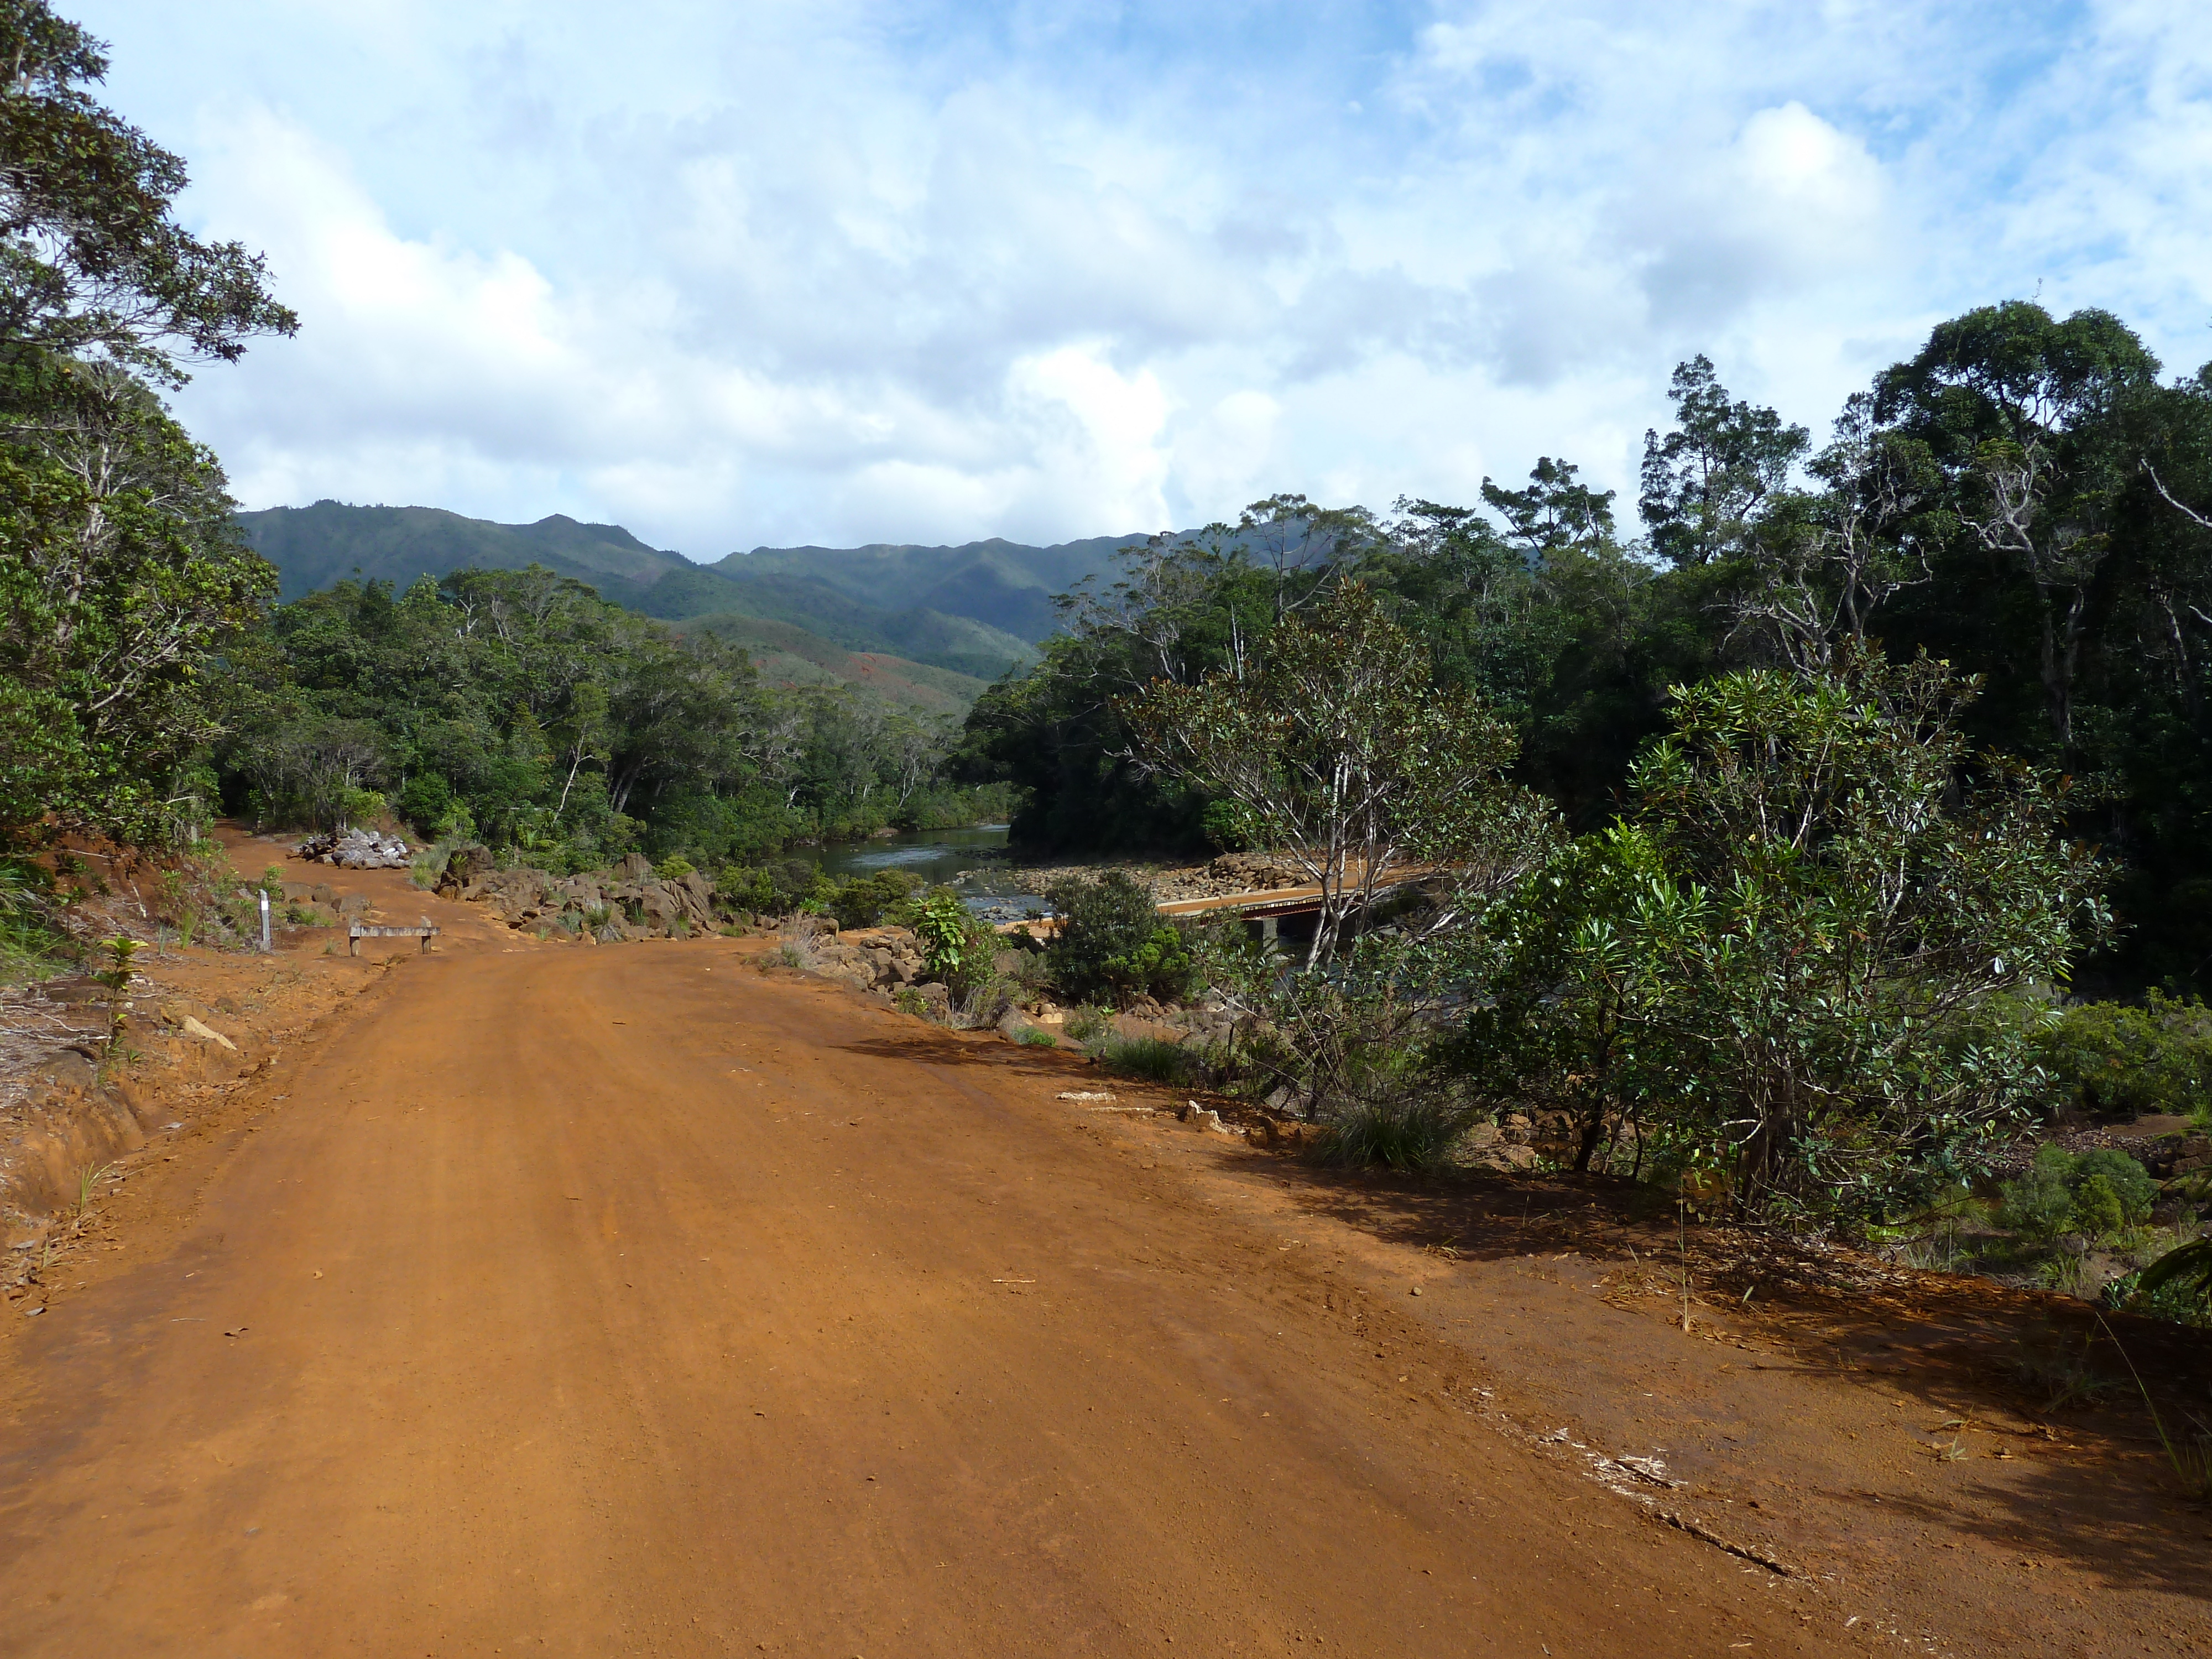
861, 614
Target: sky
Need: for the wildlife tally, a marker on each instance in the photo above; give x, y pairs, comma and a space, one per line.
834, 272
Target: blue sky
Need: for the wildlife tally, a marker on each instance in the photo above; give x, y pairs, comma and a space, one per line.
836, 271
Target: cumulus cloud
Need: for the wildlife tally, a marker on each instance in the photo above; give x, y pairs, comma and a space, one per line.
859, 269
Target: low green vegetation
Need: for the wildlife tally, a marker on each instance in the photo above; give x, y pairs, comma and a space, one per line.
1111, 944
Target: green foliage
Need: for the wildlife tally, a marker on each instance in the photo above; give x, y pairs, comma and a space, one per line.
1798, 961
1033, 1037
2122, 1182
1112, 944
772, 889
674, 868
2181, 1279
2040, 1203
115, 980
868, 901
2099, 1193
519, 707
2098, 1210
1229, 826
1409, 1133
1152, 1058
942, 927
957, 947
1362, 1049
124, 574
32, 945
2118, 1061
1344, 754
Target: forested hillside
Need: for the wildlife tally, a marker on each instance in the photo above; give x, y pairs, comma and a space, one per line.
312, 547
976, 610
520, 707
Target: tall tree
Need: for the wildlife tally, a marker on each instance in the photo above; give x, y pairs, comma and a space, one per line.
1337, 748
1705, 482
2019, 410
120, 571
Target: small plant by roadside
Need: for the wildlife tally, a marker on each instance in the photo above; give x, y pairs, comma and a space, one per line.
1087, 1022
30, 945
1172, 1063
1033, 1037
115, 980
1416, 1134
87, 1181
1112, 944
960, 949
2061, 1380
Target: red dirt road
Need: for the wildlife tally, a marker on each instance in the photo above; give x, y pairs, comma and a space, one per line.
630, 1300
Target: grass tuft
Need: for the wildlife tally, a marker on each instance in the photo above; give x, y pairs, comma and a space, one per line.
1148, 1057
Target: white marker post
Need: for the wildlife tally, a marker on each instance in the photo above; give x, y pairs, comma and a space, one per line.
264, 919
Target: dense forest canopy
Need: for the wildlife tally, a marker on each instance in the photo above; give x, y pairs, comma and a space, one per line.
2027, 499
520, 707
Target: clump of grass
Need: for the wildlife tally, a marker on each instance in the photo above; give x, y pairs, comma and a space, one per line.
1414, 1133
1088, 1022
2190, 1456
2058, 1381
88, 1178
1034, 1037
1148, 1057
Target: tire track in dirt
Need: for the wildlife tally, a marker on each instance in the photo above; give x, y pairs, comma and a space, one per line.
576, 1314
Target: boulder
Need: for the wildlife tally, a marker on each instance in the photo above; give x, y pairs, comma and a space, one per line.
465, 868
356, 849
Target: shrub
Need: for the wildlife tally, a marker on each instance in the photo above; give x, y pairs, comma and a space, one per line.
1412, 1134
2132, 1187
774, 889
1032, 1037
1149, 1057
2178, 1284
866, 900
2041, 1204
1112, 944
2118, 1060
958, 946
1814, 975
1228, 825
2100, 1193
674, 868
31, 944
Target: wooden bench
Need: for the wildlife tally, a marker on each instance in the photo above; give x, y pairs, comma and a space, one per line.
361, 930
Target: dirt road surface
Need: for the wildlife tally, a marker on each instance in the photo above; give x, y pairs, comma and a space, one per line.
567, 1302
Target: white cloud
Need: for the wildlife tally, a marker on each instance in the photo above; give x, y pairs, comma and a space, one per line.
901, 270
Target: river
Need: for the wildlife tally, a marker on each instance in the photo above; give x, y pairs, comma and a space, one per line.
972, 859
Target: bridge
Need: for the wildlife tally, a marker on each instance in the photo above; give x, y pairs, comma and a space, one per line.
1266, 910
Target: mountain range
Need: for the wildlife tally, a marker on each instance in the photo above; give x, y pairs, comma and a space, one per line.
960, 616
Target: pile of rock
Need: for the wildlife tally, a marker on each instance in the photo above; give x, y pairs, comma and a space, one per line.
600, 905
868, 958
1252, 873
355, 849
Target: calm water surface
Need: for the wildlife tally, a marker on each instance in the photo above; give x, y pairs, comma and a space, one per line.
972, 859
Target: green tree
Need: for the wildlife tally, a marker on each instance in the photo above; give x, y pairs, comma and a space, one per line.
1832, 908
120, 573
1345, 756
1112, 943
93, 265
1705, 482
